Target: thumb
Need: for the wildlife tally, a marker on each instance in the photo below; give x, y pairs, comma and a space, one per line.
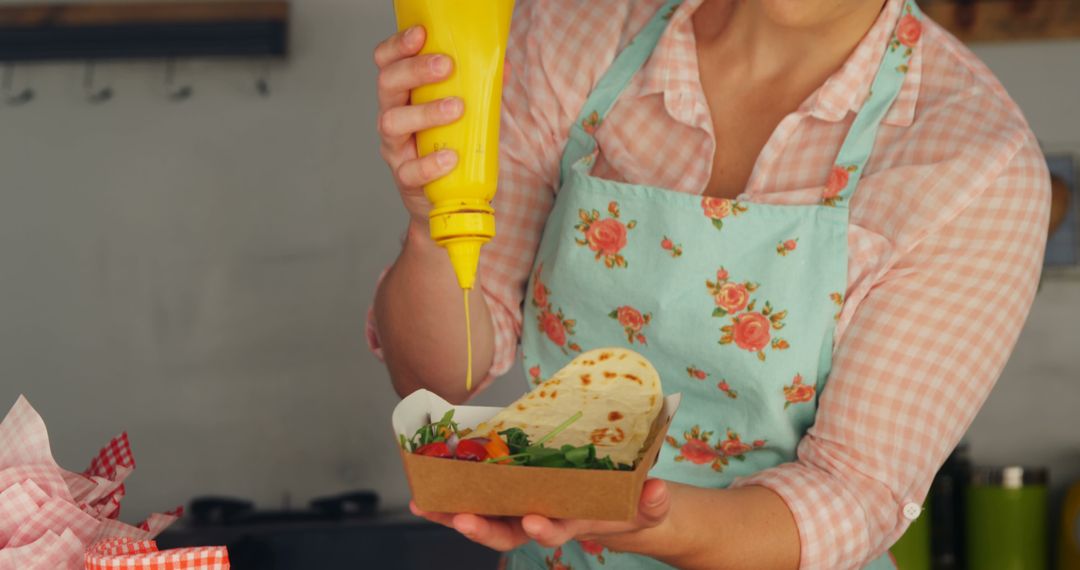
654, 504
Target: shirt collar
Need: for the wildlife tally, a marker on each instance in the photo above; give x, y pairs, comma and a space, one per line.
673, 72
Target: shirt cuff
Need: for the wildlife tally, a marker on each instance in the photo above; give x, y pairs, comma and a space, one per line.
370, 330
844, 522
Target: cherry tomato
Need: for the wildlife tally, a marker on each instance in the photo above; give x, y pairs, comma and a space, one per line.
437, 449
472, 450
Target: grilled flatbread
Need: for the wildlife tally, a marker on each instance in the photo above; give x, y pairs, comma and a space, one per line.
618, 392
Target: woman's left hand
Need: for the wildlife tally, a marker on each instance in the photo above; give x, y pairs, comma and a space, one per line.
508, 533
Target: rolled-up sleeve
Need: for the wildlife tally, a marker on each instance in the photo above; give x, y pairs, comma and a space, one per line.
917, 360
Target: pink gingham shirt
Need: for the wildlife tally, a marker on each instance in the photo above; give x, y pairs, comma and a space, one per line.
946, 239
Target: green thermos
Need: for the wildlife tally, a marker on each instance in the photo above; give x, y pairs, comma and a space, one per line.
1007, 519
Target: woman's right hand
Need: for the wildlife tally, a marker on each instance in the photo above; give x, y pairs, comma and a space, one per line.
400, 71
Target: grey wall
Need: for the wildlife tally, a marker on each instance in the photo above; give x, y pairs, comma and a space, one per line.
198, 273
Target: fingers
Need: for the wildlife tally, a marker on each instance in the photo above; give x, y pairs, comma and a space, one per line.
551, 533
655, 503
398, 124
403, 44
498, 534
422, 171
444, 519
400, 71
396, 80
653, 508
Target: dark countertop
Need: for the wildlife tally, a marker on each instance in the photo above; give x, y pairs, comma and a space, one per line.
392, 540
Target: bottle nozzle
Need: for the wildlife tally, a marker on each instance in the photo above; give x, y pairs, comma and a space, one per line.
465, 257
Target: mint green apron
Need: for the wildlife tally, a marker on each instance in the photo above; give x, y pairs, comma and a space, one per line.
735, 303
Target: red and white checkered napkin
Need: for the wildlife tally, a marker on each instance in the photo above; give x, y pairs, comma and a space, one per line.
127, 554
54, 519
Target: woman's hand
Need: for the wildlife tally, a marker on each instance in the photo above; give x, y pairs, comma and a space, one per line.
508, 533
400, 71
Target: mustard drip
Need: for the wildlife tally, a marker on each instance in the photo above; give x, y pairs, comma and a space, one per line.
468, 343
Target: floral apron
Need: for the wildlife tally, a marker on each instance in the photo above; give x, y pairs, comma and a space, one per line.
735, 303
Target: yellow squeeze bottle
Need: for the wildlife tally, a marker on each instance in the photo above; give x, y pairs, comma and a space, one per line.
474, 33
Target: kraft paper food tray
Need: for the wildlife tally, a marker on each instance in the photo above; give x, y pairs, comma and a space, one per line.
452, 486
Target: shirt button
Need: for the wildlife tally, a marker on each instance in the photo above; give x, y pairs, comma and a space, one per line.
912, 511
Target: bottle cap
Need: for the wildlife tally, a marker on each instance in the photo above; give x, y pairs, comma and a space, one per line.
463, 233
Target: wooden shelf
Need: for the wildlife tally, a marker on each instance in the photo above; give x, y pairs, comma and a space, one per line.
1006, 20
136, 30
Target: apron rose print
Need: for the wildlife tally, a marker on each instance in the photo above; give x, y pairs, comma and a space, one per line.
605, 237
798, 393
593, 548
553, 324
591, 123
554, 562
734, 447
717, 209
675, 249
697, 450
908, 33
726, 389
632, 322
752, 329
534, 375
838, 180
696, 373
787, 247
838, 298
730, 297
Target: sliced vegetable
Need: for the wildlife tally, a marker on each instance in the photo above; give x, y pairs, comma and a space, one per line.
435, 449
471, 450
496, 448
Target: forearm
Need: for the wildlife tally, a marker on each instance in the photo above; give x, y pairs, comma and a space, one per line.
420, 318
716, 529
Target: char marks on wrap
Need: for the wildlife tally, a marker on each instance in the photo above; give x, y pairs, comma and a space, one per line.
617, 391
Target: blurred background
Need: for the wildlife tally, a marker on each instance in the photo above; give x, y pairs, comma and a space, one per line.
188, 250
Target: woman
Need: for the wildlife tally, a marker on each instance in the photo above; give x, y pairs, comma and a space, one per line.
760, 196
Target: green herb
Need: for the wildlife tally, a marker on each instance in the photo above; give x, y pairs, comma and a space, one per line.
525, 453
516, 439
561, 428
432, 433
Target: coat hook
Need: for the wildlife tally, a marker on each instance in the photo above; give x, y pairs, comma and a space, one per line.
262, 82
94, 95
15, 99
182, 93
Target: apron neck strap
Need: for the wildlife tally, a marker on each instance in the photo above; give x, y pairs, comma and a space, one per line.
888, 82
612, 84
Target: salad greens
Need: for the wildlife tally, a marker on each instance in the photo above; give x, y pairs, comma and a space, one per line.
523, 452
439, 431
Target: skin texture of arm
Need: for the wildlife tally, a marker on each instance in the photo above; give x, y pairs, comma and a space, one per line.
420, 311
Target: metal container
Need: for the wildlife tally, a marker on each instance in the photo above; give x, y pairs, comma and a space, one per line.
1007, 519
